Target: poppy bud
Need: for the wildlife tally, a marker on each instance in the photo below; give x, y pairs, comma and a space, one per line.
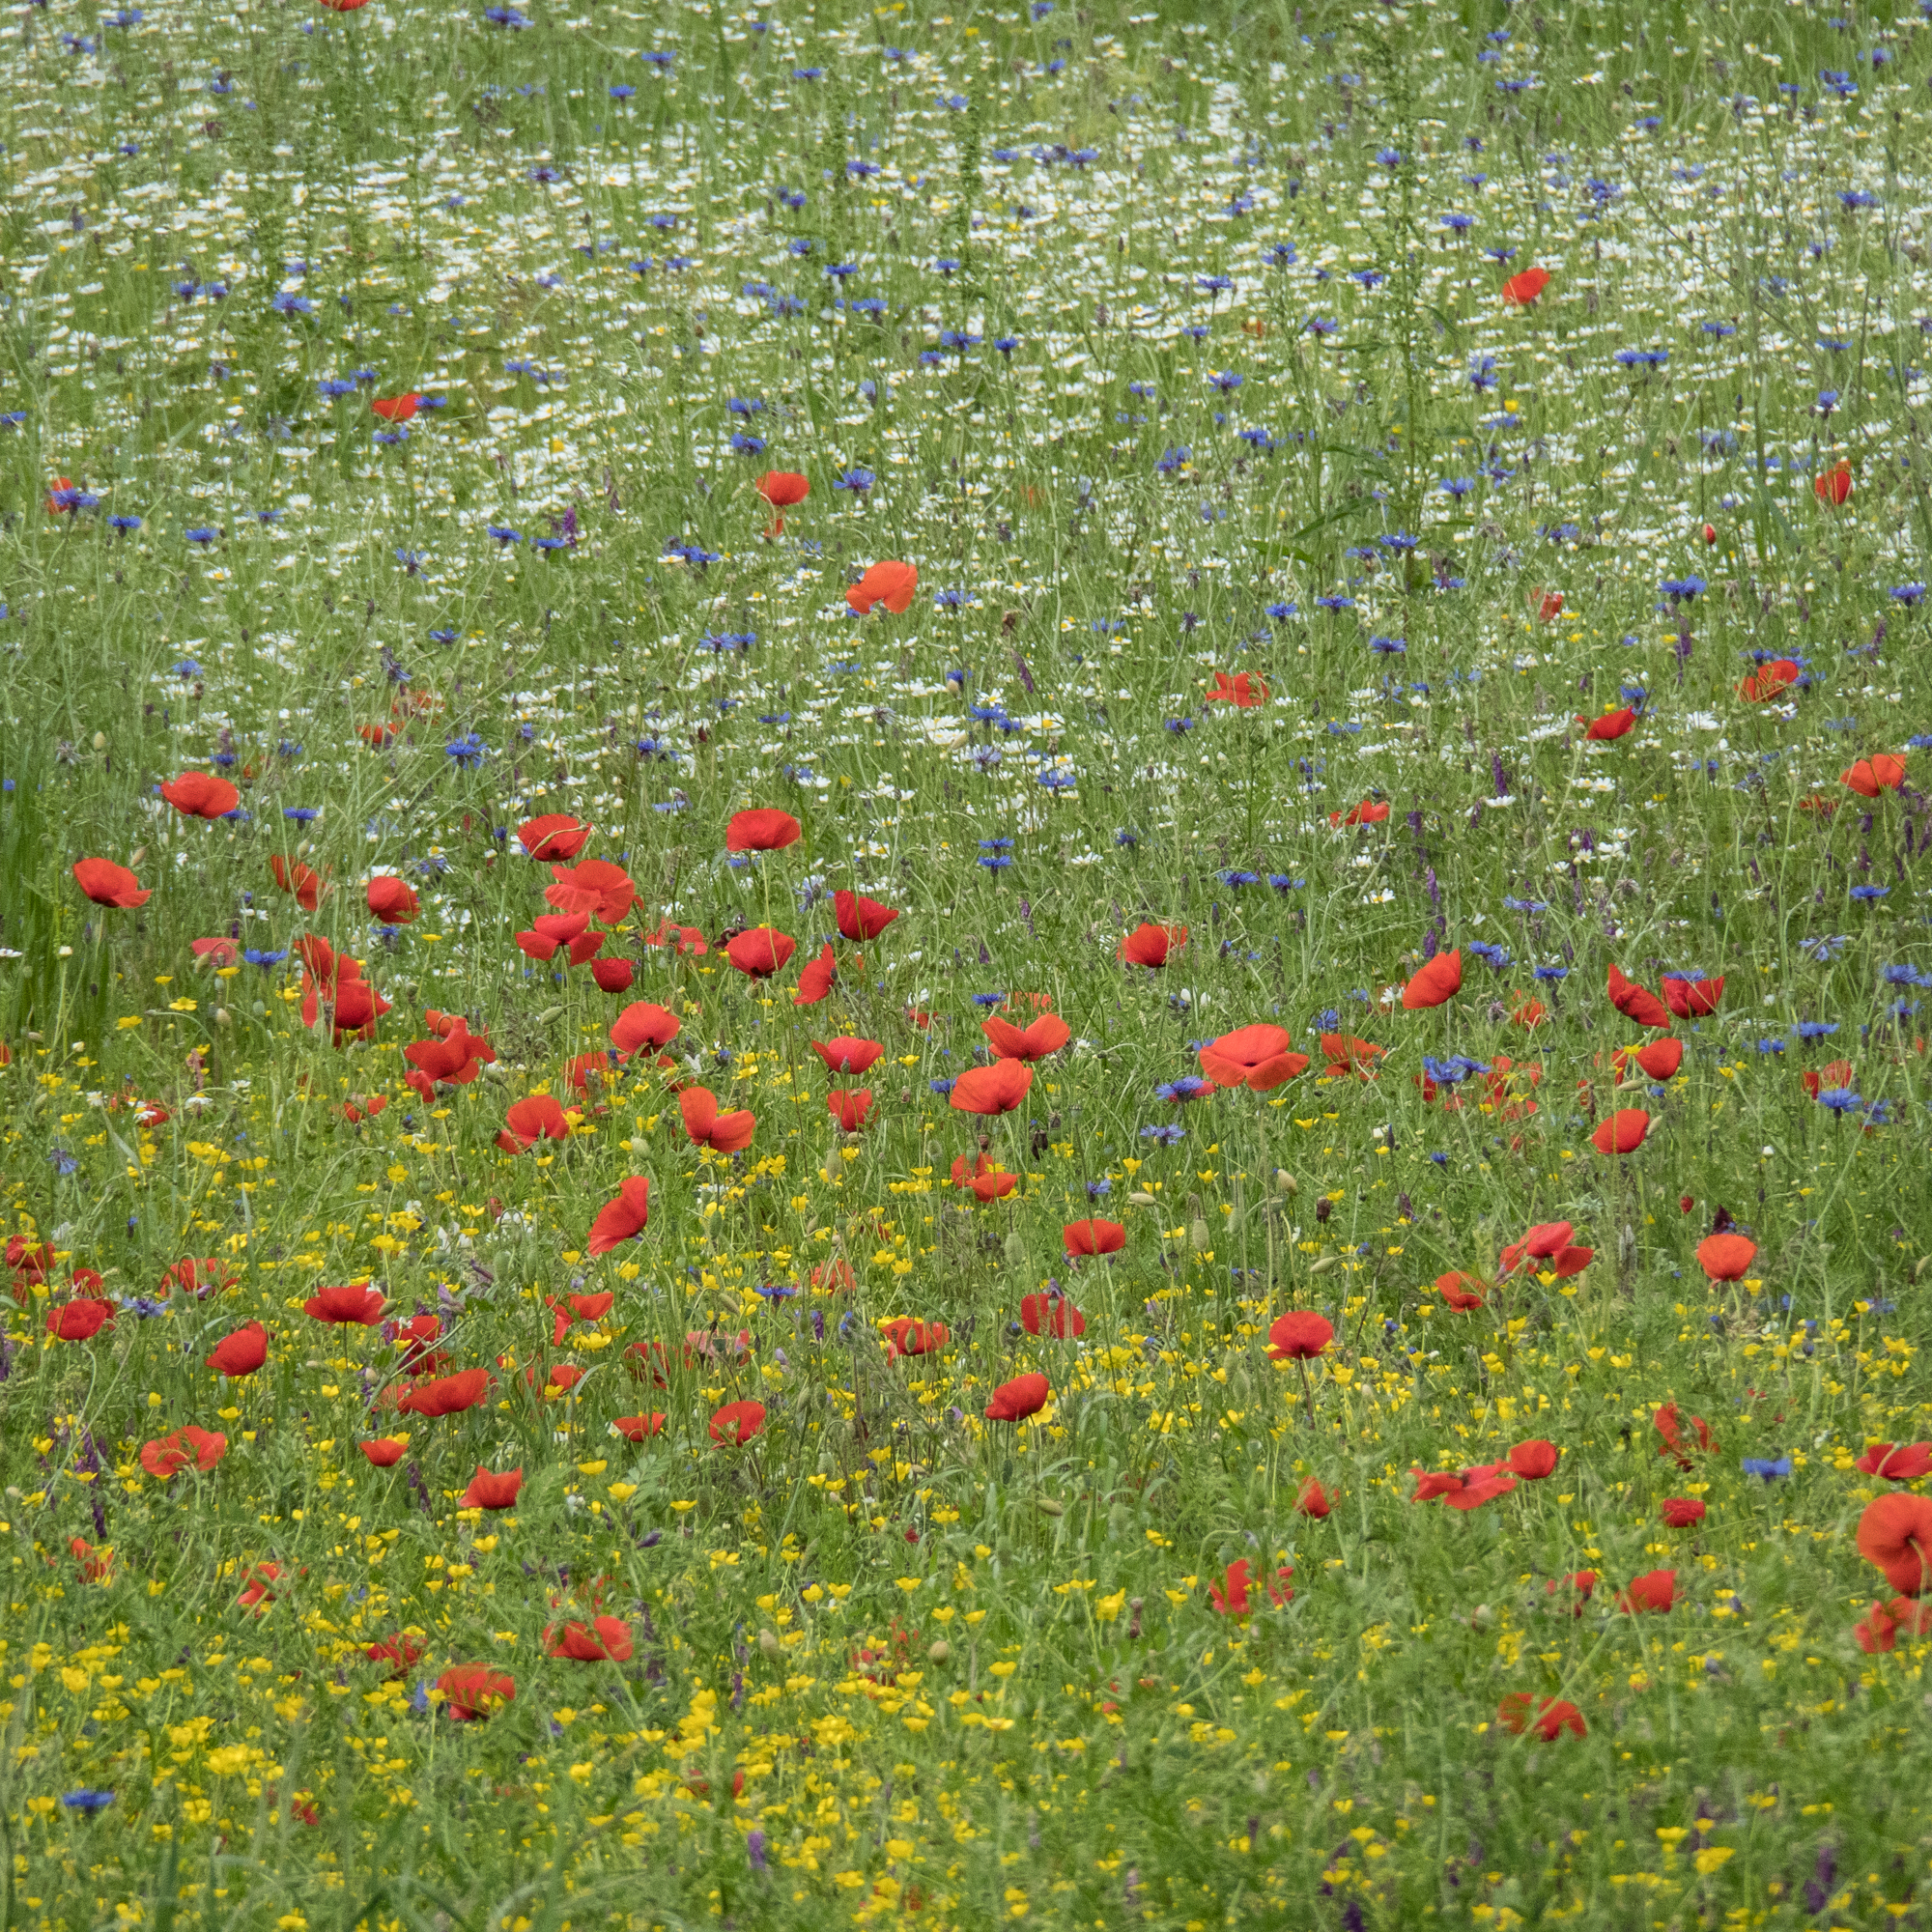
1285, 1182
1199, 1236
101, 741
768, 1642
939, 1652
1015, 1250
1709, 535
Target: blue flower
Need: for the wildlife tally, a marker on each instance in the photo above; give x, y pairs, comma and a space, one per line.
63, 1163
1513, 904
1840, 1100
1165, 1135
288, 303
87, 1801
858, 481
255, 957
1454, 1071
505, 535
1489, 955
1866, 894
467, 751
1816, 1029
1189, 1087
203, 536
1765, 1466
1552, 973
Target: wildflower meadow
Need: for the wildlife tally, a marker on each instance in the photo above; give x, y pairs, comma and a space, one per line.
964, 967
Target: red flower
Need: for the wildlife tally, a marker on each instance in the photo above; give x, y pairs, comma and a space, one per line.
1047, 1036
201, 795
1313, 1500
1692, 999
1834, 1073
818, 978
1370, 812
472, 1691
849, 1106
537, 1117
1458, 1291
761, 951
489, 1491
241, 1352
1151, 945
1440, 979
1661, 1059
110, 885
612, 975
722, 1133
1094, 1237
391, 409
1257, 1056
1518, 1711
555, 834
988, 1181
453, 1056
1547, 603
997, 1089
96, 1565
737, 1422
1233, 1602
1668, 1425
623, 1219
1895, 1533
1654, 1590
1298, 1336
393, 900
385, 1451
686, 941
1522, 288
1547, 1241
643, 1025
1018, 1399
908, 1335
889, 583
596, 886
447, 1395
1877, 1633
1768, 680
1623, 1132
1904, 1464
196, 1277
1683, 1512
360, 1303
1052, 1315
1725, 1257
1868, 777
1533, 1460
848, 1054
781, 489
1243, 691
637, 1428
1611, 725
302, 882
1834, 486
1636, 1003
1346, 1057
604, 1640
860, 918
80, 1320
764, 830
259, 1587
169, 1454
551, 930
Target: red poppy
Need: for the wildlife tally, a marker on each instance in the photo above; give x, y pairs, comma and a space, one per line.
169, 1454
96, 1565
1256, 1055
1661, 1059
764, 830
555, 834
1670, 1426
846, 1054
1370, 812
1683, 1512
781, 489
1654, 1590
623, 1219
1636, 1003
686, 941
1313, 1500
259, 1587
1869, 775
643, 1025
1623, 1132
302, 882
384, 1451
1547, 603
818, 978
1052, 1315
241, 1352
638, 1428
1094, 1237
612, 975
835, 1277
761, 951
595, 887
1243, 691
1018, 1399
1458, 1291
1439, 980
393, 900
997, 1089
490, 1491
1349, 1057
537, 1117
722, 1133
1549, 1720
987, 1180
1768, 680
391, 409
1481, 1484
110, 885
401, 1652
908, 1335
1895, 1533
737, 1422
889, 583
80, 1320
1692, 999
1877, 1633
1151, 945
1047, 1036
603, 1641
1579, 1583
1834, 486
859, 917
1903, 1463
1611, 725
195, 1277
1298, 1336
1534, 1460
201, 795
1834, 1073
1232, 1600
455, 1057
1524, 286
447, 1395
1725, 1257
1547, 1241
359, 1303
849, 1106
473, 1690
550, 931
215, 951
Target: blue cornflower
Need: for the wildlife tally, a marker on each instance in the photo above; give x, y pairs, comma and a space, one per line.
1189, 1087
288, 303
256, 956
1388, 647
1454, 1071
203, 536
302, 814
1514, 904
124, 523
1816, 1029
467, 751
1840, 1100
1165, 1135
1865, 895
1552, 973
86, 1802
859, 481
1771, 1046
63, 1163
1765, 1466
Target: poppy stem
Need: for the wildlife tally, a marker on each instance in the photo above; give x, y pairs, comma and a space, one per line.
1307, 1389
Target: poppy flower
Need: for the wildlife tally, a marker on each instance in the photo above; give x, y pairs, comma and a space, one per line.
997, 1089
596, 886
1018, 1399
1243, 691
1903, 1463
1895, 1533
455, 1056
1661, 1058
110, 885
1654, 1590
641, 1024
1458, 1291
391, 409
194, 1277
1232, 1600
1313, 1500
1610, 726
818, 978
241, 1352
908, 1335
1547, 603
97, 1565
1533, 1460
737, 1422
722, 1133
1094, 1237
169, 1454
1522, 288
259, 1587
553, 931
1725, 1257
215, 951
1834, 1073
489, 1491
446, 1395
603, 1641
201, 795
686, 941
1868, 777
761, 951
1549, 1720
781, 489
612, 975
1834, 486
859, 917
1877, 1633
1636, 1003
1047, 1036
1683, 1512
1370, 812
1547, 1241
393, 900
303, 882
1692, 999
1439, 980
401, 1652
555, 834
80, 1320
1052, 1315
537, 1117
623, 1219
889, 583
1151, 945
1623, 1132
1260, 1057
763, 829
1768, 680
849, 1106
473, 1690
1298, 1336
359, 1304
987, 1181
385, 1451
1346, 1057
1670, 1426
638, 1428
848, 1054
834, 1277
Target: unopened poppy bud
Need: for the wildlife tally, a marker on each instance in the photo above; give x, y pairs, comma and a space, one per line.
1015, 1249
260, 1009
221, 1016
1482, 1616
939, 1652
768, 1642
136, 857
1141, 1197
1199, 1236
548, 1014
638, 1145
828, 1463
1710, 534
101, 741
834, 1166
1285, 1182
1048, 1507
